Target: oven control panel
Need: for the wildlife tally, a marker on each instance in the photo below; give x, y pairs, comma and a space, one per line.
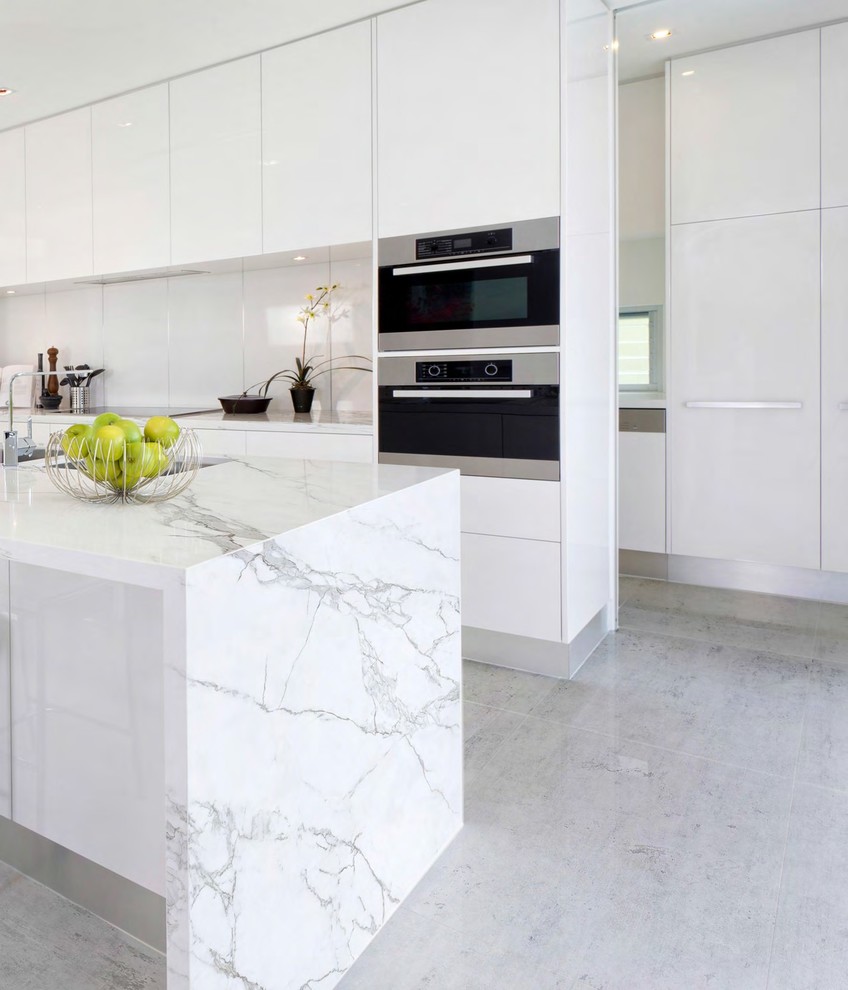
463, 371
474, 242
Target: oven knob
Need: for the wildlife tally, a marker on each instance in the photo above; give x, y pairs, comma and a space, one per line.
491, 240
491, 369
434, 371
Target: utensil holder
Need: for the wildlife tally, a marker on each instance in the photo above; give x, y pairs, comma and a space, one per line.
80, 399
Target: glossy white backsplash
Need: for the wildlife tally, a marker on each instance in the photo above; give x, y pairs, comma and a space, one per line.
185, 341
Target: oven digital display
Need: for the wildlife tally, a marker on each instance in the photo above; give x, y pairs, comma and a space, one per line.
474, 302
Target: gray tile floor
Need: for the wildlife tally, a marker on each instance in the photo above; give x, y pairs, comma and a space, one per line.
675, 818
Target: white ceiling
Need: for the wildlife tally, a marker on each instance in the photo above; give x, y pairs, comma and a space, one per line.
60, 54
700, 24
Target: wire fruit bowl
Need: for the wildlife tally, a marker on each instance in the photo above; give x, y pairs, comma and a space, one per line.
95, 478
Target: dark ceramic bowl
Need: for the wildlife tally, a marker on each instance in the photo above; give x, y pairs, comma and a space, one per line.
245, 403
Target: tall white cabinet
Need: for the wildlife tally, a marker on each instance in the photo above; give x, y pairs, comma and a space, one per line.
12, 208
834, 136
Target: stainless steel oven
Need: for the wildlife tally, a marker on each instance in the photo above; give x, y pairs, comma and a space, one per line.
495, 415
484, 287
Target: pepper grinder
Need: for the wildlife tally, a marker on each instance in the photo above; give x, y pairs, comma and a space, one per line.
53, 380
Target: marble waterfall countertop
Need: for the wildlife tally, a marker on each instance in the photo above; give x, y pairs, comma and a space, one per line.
229, 506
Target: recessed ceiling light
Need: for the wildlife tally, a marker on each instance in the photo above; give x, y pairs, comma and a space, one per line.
300, 257
126, 123
5, 92
10, 292
273, 161
688, 72
661, 34
613, 46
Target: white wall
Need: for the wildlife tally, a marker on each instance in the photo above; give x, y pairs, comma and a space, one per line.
641, 186
185, 341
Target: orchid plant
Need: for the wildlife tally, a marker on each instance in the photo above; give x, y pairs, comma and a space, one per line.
306, 370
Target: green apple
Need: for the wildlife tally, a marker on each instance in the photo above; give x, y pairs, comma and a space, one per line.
161, 429
108, 471
76, 440
131, 474
132, 431
105, 419
154, 460
108, 443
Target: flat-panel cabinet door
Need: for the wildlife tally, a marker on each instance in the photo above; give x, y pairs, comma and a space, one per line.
641, 492
834, 124
316, 140
5, 697
744, 454
835, 390
358, 449
468, 114
216, 168
129, 141
58, 197
745, 130
12, 208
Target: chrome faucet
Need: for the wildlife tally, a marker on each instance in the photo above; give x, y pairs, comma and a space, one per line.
15, 447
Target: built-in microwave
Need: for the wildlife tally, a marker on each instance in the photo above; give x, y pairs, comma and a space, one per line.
484, 287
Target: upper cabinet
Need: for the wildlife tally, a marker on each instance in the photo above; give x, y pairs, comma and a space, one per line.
745, 130
316, 140
12, 208
834, 138
129, 139
216, 170
468, 111
58, 197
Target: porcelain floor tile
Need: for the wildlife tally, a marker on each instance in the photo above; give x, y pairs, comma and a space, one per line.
723, 703
831, 642
500, 687
486, 730
824, 751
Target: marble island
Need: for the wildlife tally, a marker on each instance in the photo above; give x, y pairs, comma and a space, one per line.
245, 701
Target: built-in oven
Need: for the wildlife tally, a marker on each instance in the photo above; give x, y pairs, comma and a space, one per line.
495, 415
484, 287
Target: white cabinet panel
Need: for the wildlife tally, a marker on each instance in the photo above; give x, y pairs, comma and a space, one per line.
745, 130
216, 169
12, 208
512, 586
58, 197
528, 510
834, 96
5, 697
834, 390
745, 309
222, 443
468, 114
641, 492
316, 140
87, 718
130, 169
311, 447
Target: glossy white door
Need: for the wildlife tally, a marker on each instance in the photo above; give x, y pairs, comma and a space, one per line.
834, 97
512, 586
88, 718
834, 390
216, 170
316, 140
58, 197
528, 510
641, 492
745, 130
12, 208
310, 446
744, 481
129, 140
5, 697
468, 114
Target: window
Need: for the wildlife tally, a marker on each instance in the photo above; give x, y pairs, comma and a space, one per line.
640, 349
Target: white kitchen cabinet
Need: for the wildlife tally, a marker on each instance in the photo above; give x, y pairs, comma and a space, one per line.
355, 448
834, 99
87, 718
5, 697
745, 130
130, 180
468, 118
58, 197
222, 443
745, 482
516, 507
641, 491
512, 586
316, 140
834, 414
216, 169
12, 208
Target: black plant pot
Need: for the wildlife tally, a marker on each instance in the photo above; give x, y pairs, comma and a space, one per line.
302, 397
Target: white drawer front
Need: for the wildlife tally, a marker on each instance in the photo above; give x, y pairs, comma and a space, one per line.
528, 510
311, 447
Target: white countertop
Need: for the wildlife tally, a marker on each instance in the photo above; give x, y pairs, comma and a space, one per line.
279, 421
228, 507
